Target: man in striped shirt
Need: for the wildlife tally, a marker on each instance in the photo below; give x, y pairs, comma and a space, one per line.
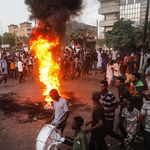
108, 100
145, 119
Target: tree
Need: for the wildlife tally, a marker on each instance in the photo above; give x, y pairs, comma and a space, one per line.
121, 36
82, 35
139, 35
9, 38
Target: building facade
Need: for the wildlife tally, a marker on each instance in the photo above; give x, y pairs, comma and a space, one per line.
112, 10
134, 10
23, 30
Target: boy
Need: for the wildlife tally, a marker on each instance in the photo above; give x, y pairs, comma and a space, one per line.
80, 141
131, 116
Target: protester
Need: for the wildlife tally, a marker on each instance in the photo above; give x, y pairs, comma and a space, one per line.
116, 69
97, 130
145, 120
61, 111
147, 74
123, 94
131, 117
108, 100
136, 89
80, 141
3, 76
109, 73
20, 70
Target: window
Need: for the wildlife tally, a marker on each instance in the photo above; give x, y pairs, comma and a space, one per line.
131, 11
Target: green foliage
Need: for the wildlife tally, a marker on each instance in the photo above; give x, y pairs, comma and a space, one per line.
9, 38
121, 35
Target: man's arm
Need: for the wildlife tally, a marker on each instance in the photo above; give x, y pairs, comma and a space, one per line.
140, 123
63, 119
99, 124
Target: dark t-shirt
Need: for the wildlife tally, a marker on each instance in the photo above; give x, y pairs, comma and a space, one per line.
98, 114
123, 95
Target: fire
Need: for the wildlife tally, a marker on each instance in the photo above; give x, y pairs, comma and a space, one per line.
43, 46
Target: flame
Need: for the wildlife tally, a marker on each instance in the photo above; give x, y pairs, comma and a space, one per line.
43, 46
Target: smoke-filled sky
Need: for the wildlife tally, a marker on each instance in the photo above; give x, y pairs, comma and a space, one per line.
15, 12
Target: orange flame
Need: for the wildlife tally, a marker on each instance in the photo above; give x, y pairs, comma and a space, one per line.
43, 47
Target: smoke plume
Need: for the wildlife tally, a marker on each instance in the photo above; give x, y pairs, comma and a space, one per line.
54, 13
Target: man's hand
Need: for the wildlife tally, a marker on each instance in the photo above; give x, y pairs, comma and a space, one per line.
87, 131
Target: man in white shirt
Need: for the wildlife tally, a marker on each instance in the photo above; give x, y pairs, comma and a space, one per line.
114, 54
116, 68
20, 69
61, 111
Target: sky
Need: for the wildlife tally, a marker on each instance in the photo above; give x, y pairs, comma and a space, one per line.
15, 12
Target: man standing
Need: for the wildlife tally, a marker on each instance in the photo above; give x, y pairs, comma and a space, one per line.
97, 129
136, 89
20, 70
116, 68
61, 111
147, 73
123, 94
108, 100
145, 119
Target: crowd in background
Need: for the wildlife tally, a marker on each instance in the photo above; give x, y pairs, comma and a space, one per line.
78, 64
16, 66
120, 69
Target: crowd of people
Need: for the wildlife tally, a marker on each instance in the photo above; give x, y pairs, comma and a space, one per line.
121, 70
16, 66
134, 101
134, 117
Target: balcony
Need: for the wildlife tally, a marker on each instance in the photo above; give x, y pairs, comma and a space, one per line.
107, 23
109, 9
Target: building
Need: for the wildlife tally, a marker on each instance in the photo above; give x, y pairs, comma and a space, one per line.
23, 30
134, 10
112, 10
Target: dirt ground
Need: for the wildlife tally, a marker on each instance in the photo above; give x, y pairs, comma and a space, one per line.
22, 115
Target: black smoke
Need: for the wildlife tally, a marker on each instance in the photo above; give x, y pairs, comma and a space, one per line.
54, 13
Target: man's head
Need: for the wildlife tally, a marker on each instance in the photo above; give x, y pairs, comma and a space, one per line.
135, 77
103, 86
119, 82
117, 61
54, 94
77, 122
130, 104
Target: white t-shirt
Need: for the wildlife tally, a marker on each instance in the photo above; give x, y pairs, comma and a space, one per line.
131, 120
60, 108
20, 66
114, 55
116, 68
